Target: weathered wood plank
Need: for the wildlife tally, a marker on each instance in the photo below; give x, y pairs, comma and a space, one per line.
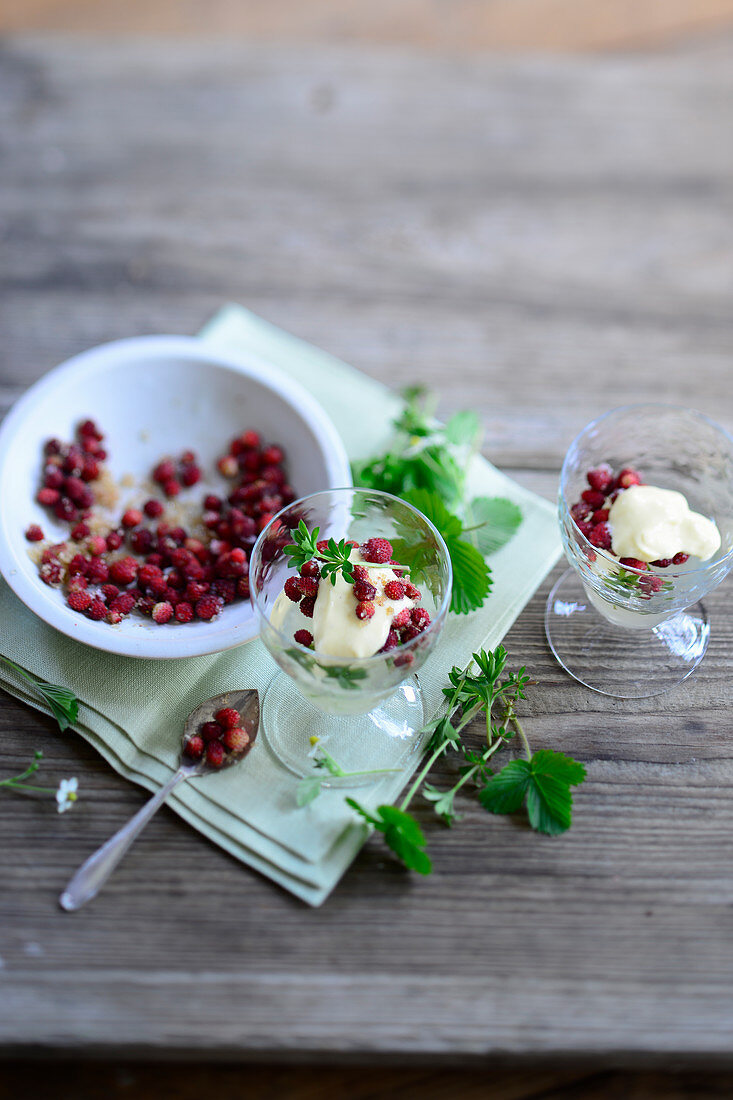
537, 240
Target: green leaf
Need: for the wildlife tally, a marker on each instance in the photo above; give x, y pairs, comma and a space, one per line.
308, 789
442, 802
463, 427
400, 819
500, 519
414, 858
505, 792
544, 781
362, 812
61, 701
401, 833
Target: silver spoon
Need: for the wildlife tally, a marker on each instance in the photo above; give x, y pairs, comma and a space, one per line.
93, 874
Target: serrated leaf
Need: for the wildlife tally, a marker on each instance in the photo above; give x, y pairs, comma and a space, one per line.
463, 427
414, 858
505, 792
471, 577
500, 519
400, 819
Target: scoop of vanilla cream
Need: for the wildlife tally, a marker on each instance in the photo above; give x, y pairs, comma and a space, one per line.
650, 523
335, 628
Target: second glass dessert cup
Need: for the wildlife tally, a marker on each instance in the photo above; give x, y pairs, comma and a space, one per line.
627, 632
367, 712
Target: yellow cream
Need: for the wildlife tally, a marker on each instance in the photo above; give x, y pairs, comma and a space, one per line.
650, 523
335, 628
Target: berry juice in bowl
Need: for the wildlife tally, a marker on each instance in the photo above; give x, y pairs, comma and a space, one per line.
646, 517
352, 588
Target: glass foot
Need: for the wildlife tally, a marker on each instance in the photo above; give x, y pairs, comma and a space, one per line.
613, 660
387, 737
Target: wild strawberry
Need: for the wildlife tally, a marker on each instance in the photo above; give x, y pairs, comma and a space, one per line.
50, 573
171, 487
227, 717
401, 619
391, 643
211, 731
48, 497
77, 583
184, 612
114, 540
190, 475
52, 447
123, 603
593, 497
97, 545
194, 747
600, 516
310, 569
132, 517
243, 588
79, 601
224, 588
98, 571
680, 558
153, 508
360, 573
628, 477
228, 466
364, 610
292, 589
376, 550
272, 455
208, 607
263, 521
78, 564
364, 590
308, 586
249, 439
123, 571
195, 590
141, 540
394, 590
97, 610
215, 754
53, 478
420, 618
91, 469
662, 563
213, 503
307, 604
162, 612
411, 591
600, 536
34, 533
110, 592
64, 509
236, 739
634, 563
600, 478
303, 637
164, 471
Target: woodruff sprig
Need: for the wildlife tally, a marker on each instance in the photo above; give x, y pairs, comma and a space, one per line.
62, 702
541, 782
332, 557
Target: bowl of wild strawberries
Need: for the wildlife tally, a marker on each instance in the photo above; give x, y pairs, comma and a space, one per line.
136, 478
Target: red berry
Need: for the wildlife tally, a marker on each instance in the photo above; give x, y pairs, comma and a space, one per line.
90, 470
110, 592
662, 563
171, 488
307, 604
79, 531
249, 439
634, 563
600, 516
153, 508
401, 619
215, 754
228, 466
141, 540
97, 610
211, 731
412, 592
123, 571
78, 564
377, 550
194, 747
404, 659
364, 610
364, 590
97, 545
50, 573
310, 569
49, 497
79, 601
184, 612
308, 586
132, 517
243, 588
600, 478
227, 717
394, 590
303, 637
123, 603
34, 533
600, 536
593, 497
419, 617
64, 509
164, 471
190, 475
680, 558
360, 573
98, 571
213, 503
77, 583
114, 540
208, 607
628, 477
162, 612
392, 641
236, 739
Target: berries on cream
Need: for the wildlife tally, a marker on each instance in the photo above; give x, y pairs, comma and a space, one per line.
649, 524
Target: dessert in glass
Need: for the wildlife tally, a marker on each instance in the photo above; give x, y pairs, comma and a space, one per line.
349, 641
646, 517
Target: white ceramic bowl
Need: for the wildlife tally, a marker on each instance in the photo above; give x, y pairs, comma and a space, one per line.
154, 396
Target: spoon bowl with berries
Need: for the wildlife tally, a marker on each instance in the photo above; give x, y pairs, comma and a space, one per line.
646, 517
351, 588
218, 734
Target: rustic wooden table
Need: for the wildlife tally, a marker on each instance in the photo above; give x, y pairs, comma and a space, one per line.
538, 239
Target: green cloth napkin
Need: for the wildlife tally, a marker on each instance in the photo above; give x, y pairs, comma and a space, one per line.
133, 710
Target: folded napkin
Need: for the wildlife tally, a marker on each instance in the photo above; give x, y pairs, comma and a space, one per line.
133, 710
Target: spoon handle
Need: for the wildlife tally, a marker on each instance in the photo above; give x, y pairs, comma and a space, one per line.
93, 874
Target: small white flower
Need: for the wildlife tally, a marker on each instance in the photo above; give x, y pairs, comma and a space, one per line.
66, 794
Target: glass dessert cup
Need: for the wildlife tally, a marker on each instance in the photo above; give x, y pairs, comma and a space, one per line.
367, 712
621, 631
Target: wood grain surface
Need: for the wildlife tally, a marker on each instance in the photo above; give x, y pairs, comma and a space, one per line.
537, 239
462, 25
